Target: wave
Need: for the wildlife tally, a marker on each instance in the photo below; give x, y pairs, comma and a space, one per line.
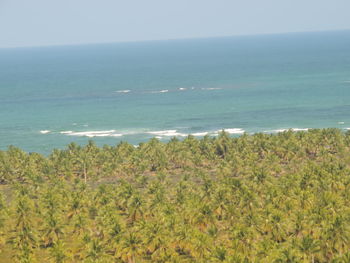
66, 132
300, 129
174, 133
231, 131
157, 134
168, 90
90, 134
167, 133
159, 91
211, 88
123, 91
163, 134
341, 122
284, 130
199, 134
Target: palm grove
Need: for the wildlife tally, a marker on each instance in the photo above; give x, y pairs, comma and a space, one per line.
256, 198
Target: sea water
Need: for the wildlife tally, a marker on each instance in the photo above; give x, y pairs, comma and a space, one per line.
51, 96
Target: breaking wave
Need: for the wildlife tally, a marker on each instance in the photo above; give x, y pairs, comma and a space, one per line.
90, 134
167, 133
123, 91
284, 130
211, 88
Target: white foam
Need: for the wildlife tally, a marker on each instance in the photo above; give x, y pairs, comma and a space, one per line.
284, 130
90, 134
97, 135
278, 130
160, 91
341, 122
232, 131
200, 133
123, 91
133, 132
45, 131
300, 129
162, 132
211, 88
182, 88
66, 132
167, 133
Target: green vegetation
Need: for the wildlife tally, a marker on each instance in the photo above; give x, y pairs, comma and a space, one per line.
256, 198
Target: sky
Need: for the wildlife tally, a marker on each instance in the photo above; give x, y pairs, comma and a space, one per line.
66, 22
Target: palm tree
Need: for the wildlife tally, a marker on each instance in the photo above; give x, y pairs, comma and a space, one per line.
58, 252
309, 247
24, 238
130, 248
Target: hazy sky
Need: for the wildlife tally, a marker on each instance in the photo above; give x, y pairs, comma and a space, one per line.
55, 22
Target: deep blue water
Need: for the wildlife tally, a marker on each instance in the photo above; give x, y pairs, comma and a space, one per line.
51, 96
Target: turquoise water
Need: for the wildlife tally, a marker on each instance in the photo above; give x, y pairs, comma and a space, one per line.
51, 96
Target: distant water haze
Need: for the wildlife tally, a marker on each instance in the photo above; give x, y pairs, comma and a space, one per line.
43, 22
132, 92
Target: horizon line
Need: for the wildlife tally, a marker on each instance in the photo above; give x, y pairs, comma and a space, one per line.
168, 39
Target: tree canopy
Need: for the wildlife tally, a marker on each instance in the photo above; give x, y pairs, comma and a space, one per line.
254, 198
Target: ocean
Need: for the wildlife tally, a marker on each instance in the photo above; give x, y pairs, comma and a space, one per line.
51, 96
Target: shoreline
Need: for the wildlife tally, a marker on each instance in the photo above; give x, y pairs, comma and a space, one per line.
83, 138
